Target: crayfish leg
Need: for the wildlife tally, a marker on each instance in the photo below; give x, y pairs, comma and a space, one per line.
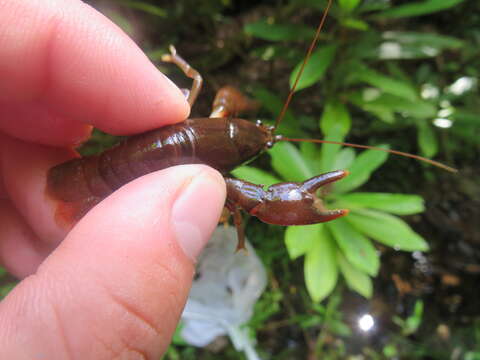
237, 220
224, 217
189, 71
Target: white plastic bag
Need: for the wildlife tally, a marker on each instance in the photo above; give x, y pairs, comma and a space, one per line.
225, 289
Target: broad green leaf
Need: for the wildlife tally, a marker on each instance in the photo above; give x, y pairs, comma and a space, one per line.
329, 151
356, 24
371, 101
339, 328
427, 139
315, 67
414, 45
300, 239
320, 267
348, 5
356, 280
387, 229
277, 32
335, 124
399, 204
335, 115
289, 163
381, 112
254, 175
418, 8
344, 158
360, 171
422, 39
357, 248
308, 150
388, 84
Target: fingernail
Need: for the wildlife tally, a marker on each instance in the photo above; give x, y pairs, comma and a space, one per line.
196, 212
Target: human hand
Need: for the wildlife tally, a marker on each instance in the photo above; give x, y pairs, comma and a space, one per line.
115, 285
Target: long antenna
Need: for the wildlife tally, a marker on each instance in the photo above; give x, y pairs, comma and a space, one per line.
396, 152
302, 68
292, 91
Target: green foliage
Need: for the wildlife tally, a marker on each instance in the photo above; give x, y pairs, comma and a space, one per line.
6, 283
418, 8
366, 71
344, 244
411, 324
365, 68
315, 68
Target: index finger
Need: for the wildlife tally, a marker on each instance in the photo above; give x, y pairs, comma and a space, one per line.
65, 64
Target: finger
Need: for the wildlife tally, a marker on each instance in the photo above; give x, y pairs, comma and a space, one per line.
20, 251
116, 286
35, 122
82, 67
24, 167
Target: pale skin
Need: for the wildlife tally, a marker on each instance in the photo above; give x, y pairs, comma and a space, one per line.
114, 286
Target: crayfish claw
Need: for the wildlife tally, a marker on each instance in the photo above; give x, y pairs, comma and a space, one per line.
323, 214
313, 184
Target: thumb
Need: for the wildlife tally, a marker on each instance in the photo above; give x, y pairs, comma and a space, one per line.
116, 286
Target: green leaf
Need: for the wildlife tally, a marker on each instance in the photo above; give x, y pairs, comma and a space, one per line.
329, 151
418, 8
255, 175
387, 229
344, 158
315, 67
300, 239
427, 139
415, 45
399, 204
369, 100
365, 163
278, 32
308, 150
335, 115
320, 267
357, 248
335, 124
388, 84
289, 162
348, 5
356, 24
339, 328
356, 280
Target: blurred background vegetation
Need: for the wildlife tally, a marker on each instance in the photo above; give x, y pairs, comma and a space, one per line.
392, 73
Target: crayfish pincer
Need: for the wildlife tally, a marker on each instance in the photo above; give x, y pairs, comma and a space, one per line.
289, 203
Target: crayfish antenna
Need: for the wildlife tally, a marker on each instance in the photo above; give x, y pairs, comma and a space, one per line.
304, 63
395, 152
